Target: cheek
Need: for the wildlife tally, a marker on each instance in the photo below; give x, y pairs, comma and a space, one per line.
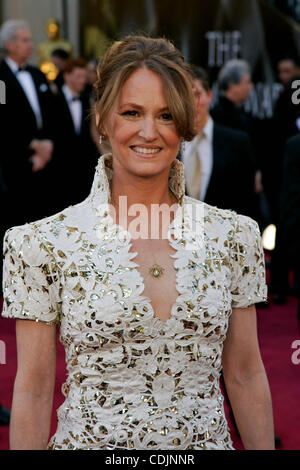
171, 137
120, 133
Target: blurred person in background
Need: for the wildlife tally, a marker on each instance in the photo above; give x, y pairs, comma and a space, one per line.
235, 86
285, 124
76, 157
91, 68
26, 122
286, 114
290, 209
287, 68
219, 165
60, 58
27, 129
91, 78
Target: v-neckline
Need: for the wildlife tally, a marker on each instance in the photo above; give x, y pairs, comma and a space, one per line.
137, 267
146, 297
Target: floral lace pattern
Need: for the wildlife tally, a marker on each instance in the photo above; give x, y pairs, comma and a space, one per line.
134, 381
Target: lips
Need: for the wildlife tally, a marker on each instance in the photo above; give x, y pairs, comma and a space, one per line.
146, 150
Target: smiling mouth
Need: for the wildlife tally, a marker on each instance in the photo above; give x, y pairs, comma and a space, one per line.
145, 151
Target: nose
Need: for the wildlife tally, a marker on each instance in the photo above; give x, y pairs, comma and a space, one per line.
148, 129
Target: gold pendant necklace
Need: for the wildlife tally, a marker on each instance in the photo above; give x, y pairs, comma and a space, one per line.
156, 271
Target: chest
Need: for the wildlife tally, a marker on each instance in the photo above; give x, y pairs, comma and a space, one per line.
155, 260
109, 295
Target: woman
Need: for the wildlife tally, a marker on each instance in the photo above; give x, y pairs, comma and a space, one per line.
148, 311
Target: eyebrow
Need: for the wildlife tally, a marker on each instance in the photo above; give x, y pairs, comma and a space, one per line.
134, 105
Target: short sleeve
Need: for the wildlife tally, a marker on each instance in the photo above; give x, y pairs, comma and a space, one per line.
30, 277
248, 284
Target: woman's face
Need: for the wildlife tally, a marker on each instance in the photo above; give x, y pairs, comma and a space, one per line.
140, 128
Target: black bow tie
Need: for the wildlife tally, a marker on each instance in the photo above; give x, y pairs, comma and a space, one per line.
75, 98
24, 68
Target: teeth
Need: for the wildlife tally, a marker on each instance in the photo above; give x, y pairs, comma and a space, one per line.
144, 150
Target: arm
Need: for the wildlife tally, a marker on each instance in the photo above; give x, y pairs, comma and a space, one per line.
246, 381
34, 385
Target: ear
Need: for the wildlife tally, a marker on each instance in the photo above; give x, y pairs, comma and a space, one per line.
97, 119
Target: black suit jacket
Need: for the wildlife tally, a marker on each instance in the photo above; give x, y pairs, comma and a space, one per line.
18, 129
76, 155
227, 114
290, 200
231, 185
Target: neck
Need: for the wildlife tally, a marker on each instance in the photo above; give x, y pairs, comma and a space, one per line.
71, 88
17, 60
141, 190
201, 124
148, 208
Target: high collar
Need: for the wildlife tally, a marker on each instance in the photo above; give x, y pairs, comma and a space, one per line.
100, 192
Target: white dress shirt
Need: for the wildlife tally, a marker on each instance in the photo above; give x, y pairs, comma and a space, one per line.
26, 81
75, 108
204, 145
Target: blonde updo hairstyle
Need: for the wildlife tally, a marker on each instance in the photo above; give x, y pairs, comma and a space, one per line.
161, 57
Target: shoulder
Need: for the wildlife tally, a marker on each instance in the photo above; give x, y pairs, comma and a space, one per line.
225, 221
3, 65
210, 216
48, 233
36, 71
5, 70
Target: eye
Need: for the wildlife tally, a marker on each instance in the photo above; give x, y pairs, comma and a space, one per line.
167, 117
130, 113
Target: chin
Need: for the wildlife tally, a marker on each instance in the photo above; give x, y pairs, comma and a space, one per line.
148, 168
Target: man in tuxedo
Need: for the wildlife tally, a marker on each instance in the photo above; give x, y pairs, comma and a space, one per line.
76, 156
219, 167
235, 86
60, 57
26, 128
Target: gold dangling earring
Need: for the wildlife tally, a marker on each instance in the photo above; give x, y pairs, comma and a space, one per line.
100, 140
183, 146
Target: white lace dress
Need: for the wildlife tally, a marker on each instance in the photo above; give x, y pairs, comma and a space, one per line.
134, 381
